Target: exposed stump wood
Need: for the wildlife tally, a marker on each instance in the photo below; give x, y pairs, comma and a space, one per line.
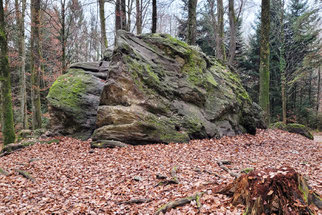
273, 191
180, 202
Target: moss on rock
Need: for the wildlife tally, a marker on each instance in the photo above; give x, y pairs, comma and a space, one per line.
293, 128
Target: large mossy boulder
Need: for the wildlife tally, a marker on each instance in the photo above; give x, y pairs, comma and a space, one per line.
159, 89
73, 100
293, 128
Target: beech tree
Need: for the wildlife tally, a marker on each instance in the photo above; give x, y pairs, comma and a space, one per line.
35, 64
20, 20
6, 98
264, 59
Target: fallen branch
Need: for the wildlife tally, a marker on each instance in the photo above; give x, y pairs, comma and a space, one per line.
3, 172
231, 173
136, 201
207, 171
25, 174
180, 202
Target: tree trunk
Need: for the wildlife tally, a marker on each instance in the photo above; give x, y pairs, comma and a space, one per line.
220, 46
319, 97
192, 22
138, 17
283, 63
232, 24
20, 19
154, 16
63, 35
118, 15
129, 13
123, 14
264, 79
35, 64
104, 43
7, 110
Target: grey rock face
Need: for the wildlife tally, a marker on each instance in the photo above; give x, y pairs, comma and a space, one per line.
157, 89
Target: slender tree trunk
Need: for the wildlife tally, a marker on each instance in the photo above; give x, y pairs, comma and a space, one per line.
220, 46
283, 63
232, 24
104, 43
319, 97
264, 79
192, 22
154, 16
123, 15
20, 19
7, 110
129, 13
63, 35
138, 17
35, 64
118, 24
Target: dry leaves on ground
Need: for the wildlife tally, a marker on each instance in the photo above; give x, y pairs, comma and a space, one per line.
70, 178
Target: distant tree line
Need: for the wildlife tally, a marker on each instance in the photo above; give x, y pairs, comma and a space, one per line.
279, 65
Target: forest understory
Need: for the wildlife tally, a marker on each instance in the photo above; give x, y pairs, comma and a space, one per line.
71, 178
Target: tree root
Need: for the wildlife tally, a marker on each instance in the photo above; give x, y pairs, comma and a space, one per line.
231, 173
25, 174
180, 202
3, 172
172, 180
136, 201
273, 191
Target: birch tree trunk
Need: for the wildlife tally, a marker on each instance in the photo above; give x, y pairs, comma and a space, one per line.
35, 64
6, 98
264, 79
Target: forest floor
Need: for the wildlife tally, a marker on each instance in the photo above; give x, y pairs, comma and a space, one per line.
71, 178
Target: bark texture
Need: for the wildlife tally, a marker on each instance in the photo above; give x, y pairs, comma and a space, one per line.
192, 22
264, 79
104, 43
35, 64
138, 17
20, 19
154, 16
6, 98
232, 24
220, 46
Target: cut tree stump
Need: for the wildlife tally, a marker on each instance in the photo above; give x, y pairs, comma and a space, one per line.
273, 191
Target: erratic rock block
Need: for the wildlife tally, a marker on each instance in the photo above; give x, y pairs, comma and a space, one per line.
158, 90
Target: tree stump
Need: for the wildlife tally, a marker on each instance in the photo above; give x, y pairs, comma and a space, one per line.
273, 191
